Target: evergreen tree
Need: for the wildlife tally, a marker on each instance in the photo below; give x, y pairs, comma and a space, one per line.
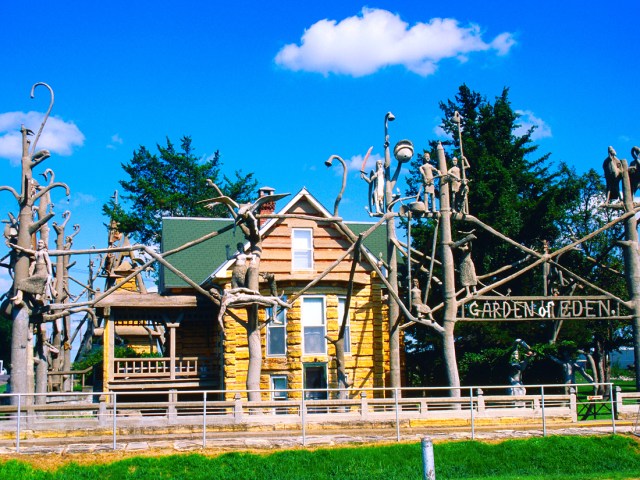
171, 184
512, 188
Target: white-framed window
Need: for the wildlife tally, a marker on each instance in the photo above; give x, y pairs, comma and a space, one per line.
277, 333
314, 325
279, 387
342, 302
302, 249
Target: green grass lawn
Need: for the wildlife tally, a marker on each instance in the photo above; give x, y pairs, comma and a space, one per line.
612, 457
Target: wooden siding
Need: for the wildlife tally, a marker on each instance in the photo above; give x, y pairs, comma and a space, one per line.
328, 244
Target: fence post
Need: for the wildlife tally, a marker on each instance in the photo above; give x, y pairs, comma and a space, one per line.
237, 408
18, 423
573, 405
428, 467
115, 423
613, 416
395, 395
618, 401
473, 428
544, 420
480, 400
204, 420
303, 412
364, 406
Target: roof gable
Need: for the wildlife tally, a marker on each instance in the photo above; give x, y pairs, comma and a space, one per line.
208, 259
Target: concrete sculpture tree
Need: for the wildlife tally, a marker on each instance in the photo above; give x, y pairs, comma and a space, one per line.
245, 291
26, 308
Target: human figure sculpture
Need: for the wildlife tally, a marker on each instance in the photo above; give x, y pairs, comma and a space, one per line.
517, 365
39, 283
376, 187
239, 270
429, 174
634, 170
457, 187
420, 309
569, 368
612, 167
468, 278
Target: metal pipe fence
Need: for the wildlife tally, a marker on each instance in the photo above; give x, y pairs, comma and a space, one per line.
295, 411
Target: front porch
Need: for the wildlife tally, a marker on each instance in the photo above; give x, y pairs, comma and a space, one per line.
178, 335
162, 373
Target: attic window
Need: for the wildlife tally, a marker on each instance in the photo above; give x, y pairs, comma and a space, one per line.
302, 249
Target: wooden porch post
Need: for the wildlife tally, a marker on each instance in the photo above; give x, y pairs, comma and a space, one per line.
172, 349
108, 339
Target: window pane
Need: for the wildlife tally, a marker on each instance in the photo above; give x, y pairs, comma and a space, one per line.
314, 341
276, 341
313, 311
302, 260
301, 239
279, 383
347, 340
347, 331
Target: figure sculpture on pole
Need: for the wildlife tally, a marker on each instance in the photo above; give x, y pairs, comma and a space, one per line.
376, 188
613, 175
429, 174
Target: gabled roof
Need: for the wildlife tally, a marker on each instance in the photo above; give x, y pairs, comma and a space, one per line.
204, 260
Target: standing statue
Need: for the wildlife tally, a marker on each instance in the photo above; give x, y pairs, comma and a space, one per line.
517, 366
421, 310
429, 174
39, 283
239, 271
569, 368
634, 170
613, 174
468, 278
376, 187
458, 185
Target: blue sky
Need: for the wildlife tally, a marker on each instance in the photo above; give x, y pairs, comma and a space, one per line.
278, 87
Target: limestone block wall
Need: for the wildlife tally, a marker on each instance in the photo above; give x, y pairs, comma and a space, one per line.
367, 364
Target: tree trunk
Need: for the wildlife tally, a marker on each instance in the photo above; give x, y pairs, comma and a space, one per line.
255, 354
448, 280
254, 369
21, 369
395, 379
632, 266
42, 365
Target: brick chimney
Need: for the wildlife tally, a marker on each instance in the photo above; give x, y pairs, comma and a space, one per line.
266, 208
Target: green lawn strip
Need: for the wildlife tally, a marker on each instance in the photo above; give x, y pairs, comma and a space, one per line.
560, 458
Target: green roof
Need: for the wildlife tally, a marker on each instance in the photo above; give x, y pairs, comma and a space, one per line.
376, 242
200, 261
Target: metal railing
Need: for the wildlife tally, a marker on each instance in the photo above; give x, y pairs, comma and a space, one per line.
295, 409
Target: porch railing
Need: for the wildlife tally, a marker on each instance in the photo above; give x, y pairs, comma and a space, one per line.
160, 367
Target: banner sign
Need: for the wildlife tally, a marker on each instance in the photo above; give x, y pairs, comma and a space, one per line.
542, 308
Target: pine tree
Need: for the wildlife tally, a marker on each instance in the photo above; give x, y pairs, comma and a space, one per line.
172, 183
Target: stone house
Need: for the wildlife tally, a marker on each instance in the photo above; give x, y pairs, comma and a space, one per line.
195, 352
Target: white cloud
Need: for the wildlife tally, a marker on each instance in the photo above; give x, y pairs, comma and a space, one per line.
82, 199
374, 39
115, 141
58, 136
439, 131
527, 120
355, 163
